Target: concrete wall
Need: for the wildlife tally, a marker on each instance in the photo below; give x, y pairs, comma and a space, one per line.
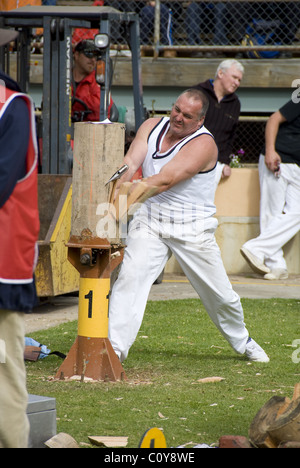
237, 202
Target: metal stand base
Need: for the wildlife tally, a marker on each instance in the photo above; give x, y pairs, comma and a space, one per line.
93, 358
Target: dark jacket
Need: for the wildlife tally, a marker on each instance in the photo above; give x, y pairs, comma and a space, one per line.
221, 119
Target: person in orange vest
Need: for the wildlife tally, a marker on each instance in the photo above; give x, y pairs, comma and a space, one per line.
19, 231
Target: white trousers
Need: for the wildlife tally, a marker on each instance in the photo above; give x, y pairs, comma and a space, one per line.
279, 213
148, 249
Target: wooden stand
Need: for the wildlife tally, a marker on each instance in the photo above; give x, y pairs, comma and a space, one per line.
92, 355
93, 358
98, 153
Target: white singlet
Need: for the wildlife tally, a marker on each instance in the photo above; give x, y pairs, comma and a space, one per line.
187, 200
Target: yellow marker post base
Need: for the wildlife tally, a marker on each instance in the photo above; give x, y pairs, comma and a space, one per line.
93, 358
92, 355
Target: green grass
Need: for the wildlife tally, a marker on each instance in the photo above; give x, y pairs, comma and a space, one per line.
176, 346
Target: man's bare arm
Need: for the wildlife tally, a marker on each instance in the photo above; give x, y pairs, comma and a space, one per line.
272, 158
198, 155
136, 154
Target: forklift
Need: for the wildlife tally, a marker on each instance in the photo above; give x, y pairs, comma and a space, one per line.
54, 273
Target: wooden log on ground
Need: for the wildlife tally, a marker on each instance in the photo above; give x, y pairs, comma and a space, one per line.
258, 431
286, 427
277, 421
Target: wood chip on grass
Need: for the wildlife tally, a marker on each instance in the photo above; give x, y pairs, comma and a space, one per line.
106, 441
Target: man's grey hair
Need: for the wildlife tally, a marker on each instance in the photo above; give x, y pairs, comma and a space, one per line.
228, 63
198, 95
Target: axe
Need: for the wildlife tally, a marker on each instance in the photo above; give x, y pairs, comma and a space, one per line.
118, 174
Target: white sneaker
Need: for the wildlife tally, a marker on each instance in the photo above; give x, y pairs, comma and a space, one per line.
255, 263
254, 352
276, 274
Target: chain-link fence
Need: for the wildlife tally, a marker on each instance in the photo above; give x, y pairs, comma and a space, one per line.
270, 27
210, 27
249, 140
214, 25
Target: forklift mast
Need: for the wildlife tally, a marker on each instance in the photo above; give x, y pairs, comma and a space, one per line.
58, 24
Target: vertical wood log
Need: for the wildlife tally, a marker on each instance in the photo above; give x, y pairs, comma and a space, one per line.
98, 153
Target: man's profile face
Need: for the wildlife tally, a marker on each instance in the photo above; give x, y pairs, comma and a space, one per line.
230, 79
86, 64
184, 117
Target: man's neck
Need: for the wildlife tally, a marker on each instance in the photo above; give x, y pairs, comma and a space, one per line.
78, 75
219, 90
170, 138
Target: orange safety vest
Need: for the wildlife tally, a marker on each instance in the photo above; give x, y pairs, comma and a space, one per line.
19, 216
6, 5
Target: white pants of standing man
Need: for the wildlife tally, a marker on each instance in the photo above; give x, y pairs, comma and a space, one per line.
14, 425
279, 214
148, 249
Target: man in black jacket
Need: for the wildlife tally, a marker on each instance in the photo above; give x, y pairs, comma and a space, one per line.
224, 110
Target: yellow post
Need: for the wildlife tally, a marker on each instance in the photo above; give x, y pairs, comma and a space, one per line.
93, 307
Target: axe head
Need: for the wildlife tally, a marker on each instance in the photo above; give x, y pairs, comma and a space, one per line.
118, 174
